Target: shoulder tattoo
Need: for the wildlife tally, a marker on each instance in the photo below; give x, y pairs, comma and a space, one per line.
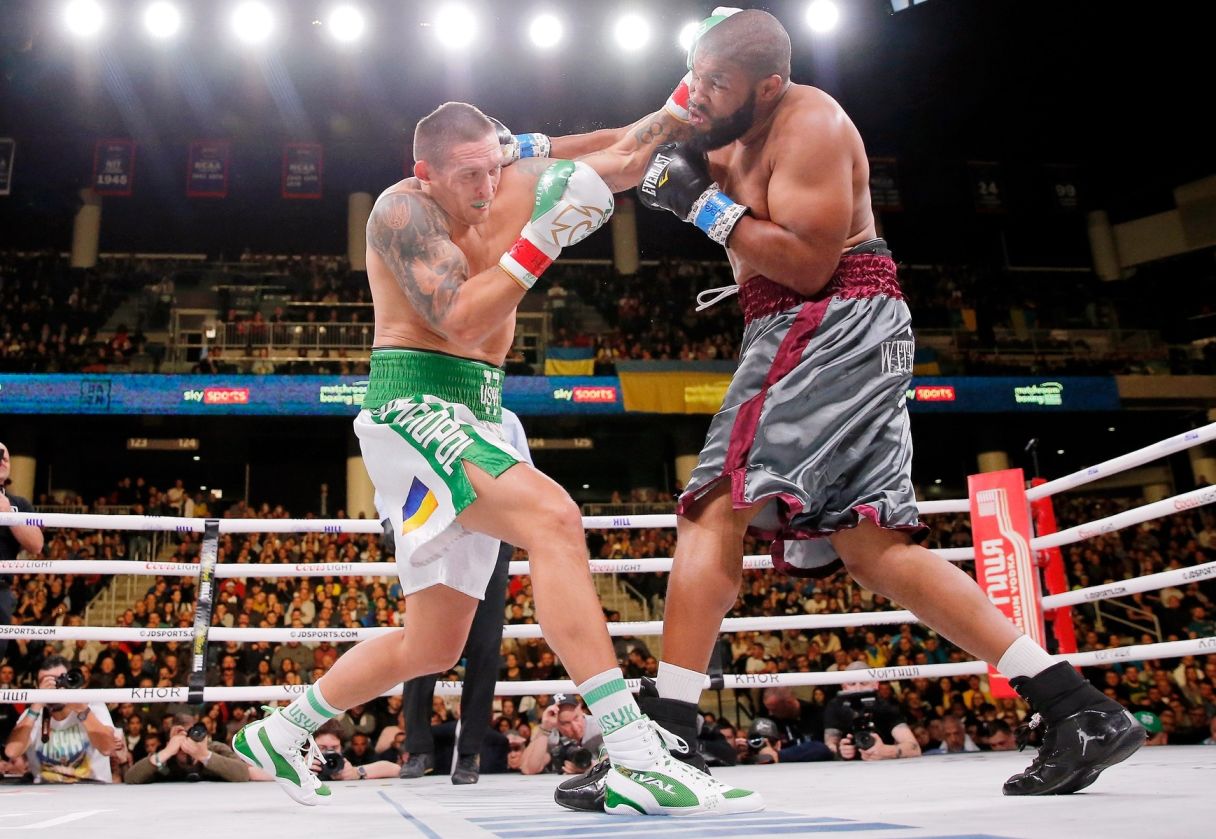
410, 233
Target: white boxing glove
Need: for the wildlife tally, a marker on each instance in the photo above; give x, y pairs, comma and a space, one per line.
572, 202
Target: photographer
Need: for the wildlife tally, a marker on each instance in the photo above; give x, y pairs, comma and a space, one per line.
333, 765
860, 725
13, 539
762, 745
64, 744
566, 743
190, 755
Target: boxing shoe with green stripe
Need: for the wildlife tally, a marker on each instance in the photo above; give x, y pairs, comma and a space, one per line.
665, 786
281, 748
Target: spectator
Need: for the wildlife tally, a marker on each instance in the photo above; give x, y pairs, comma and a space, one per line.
567, 741
858, 711
13, 538
955, 738
189, 755
79, 738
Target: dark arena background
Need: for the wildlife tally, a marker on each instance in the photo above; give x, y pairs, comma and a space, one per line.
186, 327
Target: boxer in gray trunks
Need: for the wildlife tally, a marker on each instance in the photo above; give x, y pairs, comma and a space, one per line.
812, 445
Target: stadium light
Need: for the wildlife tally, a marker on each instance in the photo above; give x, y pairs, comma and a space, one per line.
687, 32
545, 31
162, 20
346, 24
822, 16
455, 25
252, 22
631, 32
84, 18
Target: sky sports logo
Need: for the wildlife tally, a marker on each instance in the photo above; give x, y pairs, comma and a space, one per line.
218, 396
931, 393
585, 394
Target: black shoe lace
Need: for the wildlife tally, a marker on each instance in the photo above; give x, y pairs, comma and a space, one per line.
1026, 731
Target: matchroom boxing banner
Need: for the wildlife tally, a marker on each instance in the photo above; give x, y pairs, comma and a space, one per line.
207, 169
1004, 563
302, 170
114, 167
8, 147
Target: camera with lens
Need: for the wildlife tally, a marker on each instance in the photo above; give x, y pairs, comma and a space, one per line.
574, 752
863, 725
197, 732
71, 680
331, 765
761, 733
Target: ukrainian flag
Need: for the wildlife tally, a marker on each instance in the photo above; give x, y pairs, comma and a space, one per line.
419, 505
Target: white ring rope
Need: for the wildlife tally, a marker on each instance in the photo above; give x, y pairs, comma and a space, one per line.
98, 521
1137, 652
1150, 582
1138, 515
1164, 448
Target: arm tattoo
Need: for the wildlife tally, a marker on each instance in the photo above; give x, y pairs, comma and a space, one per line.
649, 132
410, 233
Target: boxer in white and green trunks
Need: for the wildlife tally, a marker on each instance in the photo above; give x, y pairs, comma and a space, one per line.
448, 264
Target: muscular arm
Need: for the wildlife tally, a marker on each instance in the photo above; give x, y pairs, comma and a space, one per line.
624, 153
810, 200
409, 233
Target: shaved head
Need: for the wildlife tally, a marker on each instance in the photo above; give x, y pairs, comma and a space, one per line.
446, 126
752, 39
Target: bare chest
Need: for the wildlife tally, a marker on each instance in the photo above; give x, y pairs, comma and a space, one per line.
743, 174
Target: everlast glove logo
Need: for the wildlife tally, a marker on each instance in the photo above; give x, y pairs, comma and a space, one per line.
656, 175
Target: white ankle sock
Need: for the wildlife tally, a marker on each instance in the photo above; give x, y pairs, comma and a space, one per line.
609, 700
310, 711
680, 683
1024, 658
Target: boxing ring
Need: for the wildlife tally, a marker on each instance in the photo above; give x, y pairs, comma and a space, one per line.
933, 796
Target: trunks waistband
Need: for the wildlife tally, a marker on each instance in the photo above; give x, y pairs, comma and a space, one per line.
398, 373
866, 270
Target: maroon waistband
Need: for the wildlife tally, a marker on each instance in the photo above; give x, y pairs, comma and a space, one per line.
857, 275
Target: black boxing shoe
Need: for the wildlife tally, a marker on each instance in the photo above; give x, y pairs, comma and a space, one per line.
419, 764
584, 792
1083, 733
467, 769
683, 719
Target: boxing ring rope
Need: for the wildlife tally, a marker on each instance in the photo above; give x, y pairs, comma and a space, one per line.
269, 693
209, 571
1137, 515
1150, 582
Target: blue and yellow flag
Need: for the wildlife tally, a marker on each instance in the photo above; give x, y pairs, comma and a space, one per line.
419, 505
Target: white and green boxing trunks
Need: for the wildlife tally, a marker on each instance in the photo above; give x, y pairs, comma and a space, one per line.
426, 414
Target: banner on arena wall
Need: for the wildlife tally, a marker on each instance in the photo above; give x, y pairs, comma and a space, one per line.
245, 395
207, 169
8, 147
1062, 187
114, 167
302, 170
884, 184
987, 186
1004, 562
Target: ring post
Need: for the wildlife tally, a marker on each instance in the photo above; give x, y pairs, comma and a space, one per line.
207, 558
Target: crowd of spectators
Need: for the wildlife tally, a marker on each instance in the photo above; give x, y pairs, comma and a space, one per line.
317, 312
1177, 693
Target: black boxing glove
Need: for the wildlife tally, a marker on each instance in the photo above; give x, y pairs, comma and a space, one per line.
677, 179
515, 146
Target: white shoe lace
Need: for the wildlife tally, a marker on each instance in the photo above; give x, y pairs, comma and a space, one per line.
711, 296
301, 761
